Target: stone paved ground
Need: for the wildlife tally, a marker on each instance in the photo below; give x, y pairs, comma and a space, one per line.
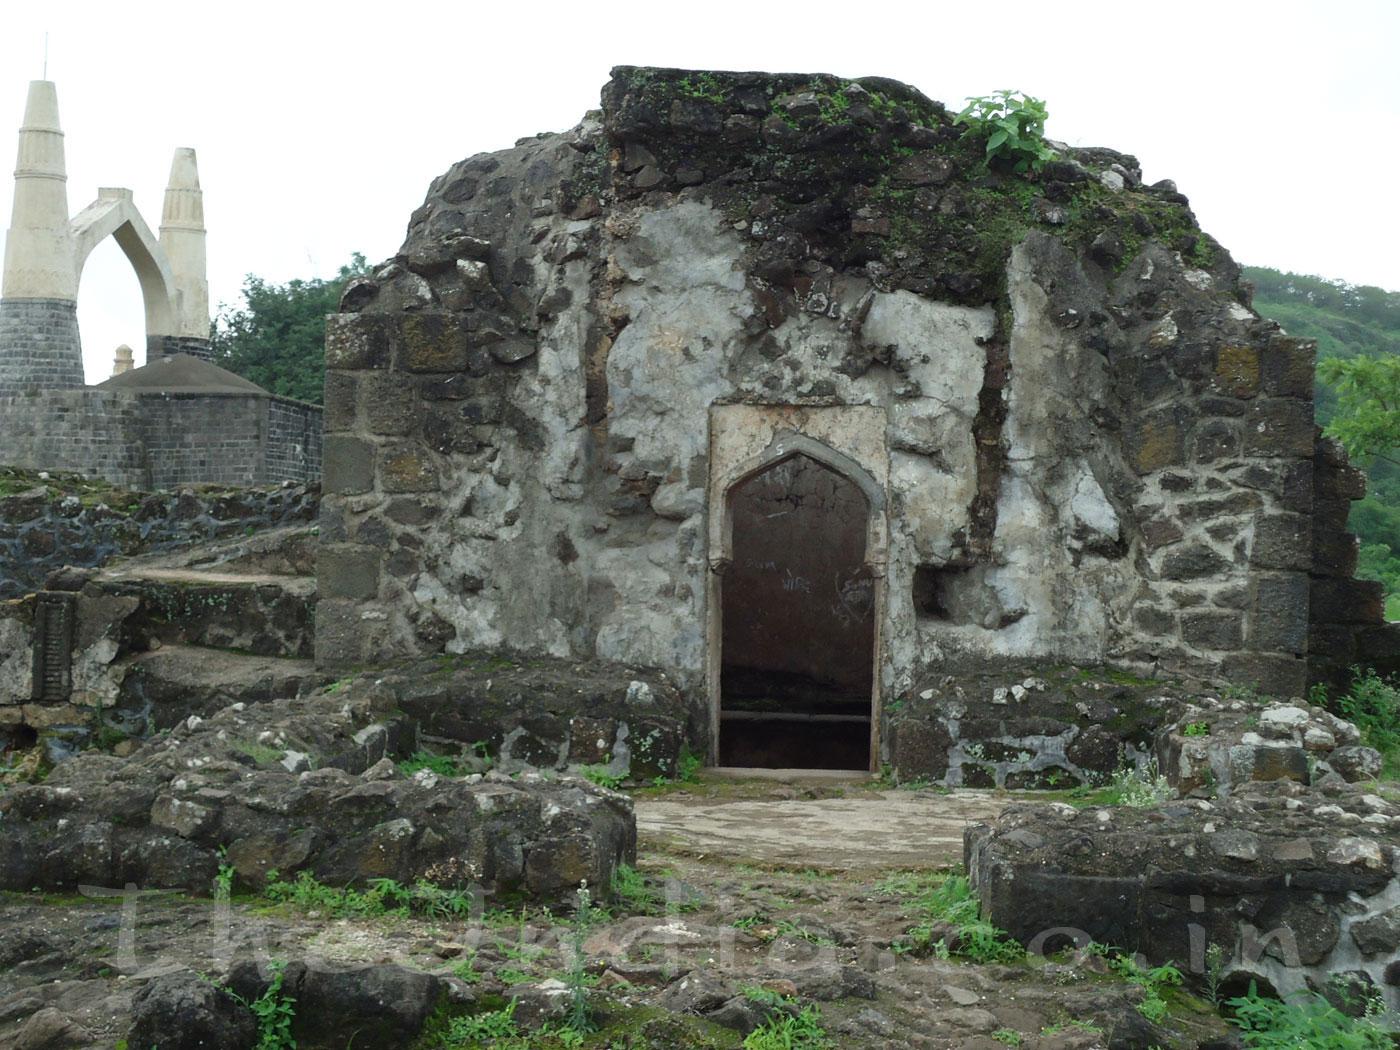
825, 824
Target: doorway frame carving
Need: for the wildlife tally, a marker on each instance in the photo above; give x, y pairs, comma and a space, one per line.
815, 432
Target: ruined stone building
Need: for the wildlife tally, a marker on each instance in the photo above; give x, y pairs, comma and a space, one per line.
769, 382
179, 419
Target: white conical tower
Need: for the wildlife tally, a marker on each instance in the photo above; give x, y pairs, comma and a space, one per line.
39, 345
182, 236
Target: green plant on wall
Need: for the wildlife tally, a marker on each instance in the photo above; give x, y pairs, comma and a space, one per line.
1014, 126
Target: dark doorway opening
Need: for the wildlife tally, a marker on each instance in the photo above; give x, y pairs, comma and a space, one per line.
797, 622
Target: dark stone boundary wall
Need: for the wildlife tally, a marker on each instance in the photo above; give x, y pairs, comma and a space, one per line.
293, 449
153, 441
47, 528
39, 345
88, 431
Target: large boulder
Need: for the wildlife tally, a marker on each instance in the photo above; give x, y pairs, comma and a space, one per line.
338, 1006
184, 1012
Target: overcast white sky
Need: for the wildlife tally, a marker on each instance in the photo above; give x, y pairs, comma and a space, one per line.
319, 126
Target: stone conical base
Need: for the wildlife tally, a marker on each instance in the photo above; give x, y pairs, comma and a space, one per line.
39, 345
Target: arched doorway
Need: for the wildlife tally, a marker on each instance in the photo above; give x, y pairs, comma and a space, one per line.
797, 620
114, 215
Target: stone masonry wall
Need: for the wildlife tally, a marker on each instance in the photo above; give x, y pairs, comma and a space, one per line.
89, 431
293, 441
1348, 625
218, 439
1092, 449
39, 345
144, 441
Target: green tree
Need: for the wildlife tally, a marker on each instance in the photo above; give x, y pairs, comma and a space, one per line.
1366, 418
277, 336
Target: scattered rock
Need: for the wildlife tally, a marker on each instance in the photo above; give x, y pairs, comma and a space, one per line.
186, 1012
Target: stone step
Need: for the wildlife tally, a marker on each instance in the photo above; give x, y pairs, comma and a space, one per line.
287, 551
164, 686
262, 614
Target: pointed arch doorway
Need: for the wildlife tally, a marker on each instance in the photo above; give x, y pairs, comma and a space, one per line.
796, 591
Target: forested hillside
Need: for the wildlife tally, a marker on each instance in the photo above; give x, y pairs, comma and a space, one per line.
1347, 321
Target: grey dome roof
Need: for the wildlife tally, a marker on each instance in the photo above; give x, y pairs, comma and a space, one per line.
182, 374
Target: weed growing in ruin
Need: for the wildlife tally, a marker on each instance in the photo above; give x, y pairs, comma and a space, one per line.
703, 86
1196, 729
1215, 972
578, 1018
907, 884
521, 953
1248, 694
602, 776
788, 928
261, 754
442, 765
223, 881
481, 749
483, 1029
1014, 126
688, 766
1154, 980
1140, 787
1008, 1037
1374, 705
1308, 1022
465, 970
763, 996
273, 1011
788, 1032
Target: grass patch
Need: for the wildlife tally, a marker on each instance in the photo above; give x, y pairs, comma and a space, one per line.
951, 926
381, 897
261, 754
483, 1029
800, 1031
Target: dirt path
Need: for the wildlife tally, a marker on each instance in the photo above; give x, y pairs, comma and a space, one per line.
743, 889
842, 827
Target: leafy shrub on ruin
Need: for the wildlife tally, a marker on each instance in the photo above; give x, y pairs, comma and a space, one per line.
1014, 126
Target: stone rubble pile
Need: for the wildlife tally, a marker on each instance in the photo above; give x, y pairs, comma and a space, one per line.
1216, 745
306, 786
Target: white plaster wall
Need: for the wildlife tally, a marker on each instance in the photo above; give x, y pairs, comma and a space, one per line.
689, 398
